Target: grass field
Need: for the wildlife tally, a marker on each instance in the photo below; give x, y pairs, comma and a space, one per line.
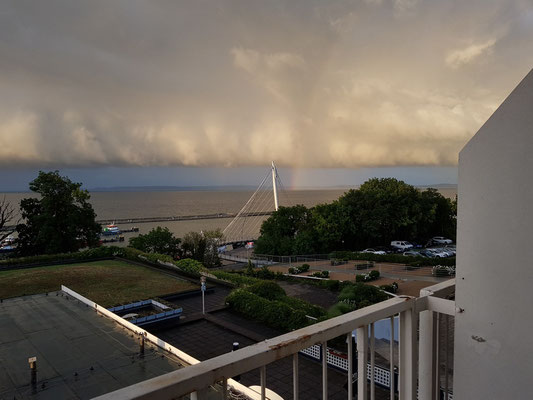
105, 282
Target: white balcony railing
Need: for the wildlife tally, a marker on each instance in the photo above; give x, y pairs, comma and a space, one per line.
418, 359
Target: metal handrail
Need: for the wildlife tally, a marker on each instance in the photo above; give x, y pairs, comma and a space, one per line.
206, 373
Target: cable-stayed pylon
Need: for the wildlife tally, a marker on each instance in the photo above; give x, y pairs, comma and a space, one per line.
247, 223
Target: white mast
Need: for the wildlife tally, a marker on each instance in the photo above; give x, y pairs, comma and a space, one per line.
274, 176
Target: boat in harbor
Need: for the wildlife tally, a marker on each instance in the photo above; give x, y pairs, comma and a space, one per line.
111, 229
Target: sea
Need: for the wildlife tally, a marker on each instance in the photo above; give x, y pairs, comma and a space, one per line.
142, 204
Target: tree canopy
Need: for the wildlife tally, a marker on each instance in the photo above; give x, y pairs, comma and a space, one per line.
203, 246
279, 232
199, 246
380, 211
60, 220
158, 240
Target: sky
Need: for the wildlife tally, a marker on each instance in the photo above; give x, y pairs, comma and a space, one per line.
188, 93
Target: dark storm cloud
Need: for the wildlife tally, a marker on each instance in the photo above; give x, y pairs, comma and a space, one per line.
306, 83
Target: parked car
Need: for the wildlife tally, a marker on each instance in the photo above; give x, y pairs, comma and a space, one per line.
412, 253
441, 240
374, 251
438, 253
426, 253
401, 245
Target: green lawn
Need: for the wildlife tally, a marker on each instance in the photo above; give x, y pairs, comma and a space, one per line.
105, 282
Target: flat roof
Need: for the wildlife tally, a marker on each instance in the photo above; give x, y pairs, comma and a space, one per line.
80, 354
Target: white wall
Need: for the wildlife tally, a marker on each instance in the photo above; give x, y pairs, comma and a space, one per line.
494, 285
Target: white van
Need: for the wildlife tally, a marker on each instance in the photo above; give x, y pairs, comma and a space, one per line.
401, 245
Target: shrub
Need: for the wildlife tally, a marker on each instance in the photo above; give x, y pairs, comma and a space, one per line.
339, 309
304, 268
374, 274
357, 292
249, 268
237, 279
321, 274
261, 273
275, 314
443, 270
299, 270
392, 288
371, 276
190, 265
330, 284
264, 273
364, 303
268, 290
307, 308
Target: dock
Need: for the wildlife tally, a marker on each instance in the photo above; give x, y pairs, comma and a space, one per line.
140, 220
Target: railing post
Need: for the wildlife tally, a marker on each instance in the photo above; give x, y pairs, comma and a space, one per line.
295, 376
263, 382
427, 367
408, 355
325, 370
436, 383
372, 363
350, 365
225, 388
447, 350
362, 350
391, 357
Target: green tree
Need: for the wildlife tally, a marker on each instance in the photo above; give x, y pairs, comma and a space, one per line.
60, 220
279, 231
213, 238
380, 211
438, 215
158, 240
329, 222
203, 246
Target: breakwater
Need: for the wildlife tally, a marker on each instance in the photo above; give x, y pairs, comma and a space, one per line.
141, 220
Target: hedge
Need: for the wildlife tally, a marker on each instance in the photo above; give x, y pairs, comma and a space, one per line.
267, 302
238, 279
393, 258
268, 290
97, 252
274, 313
190, 265
339, 309
308, 308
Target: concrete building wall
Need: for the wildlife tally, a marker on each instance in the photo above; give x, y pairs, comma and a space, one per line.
494, 334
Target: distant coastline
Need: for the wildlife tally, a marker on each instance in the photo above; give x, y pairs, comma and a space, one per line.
238, 188
233, 188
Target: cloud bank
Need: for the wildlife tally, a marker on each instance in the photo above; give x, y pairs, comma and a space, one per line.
234, 83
